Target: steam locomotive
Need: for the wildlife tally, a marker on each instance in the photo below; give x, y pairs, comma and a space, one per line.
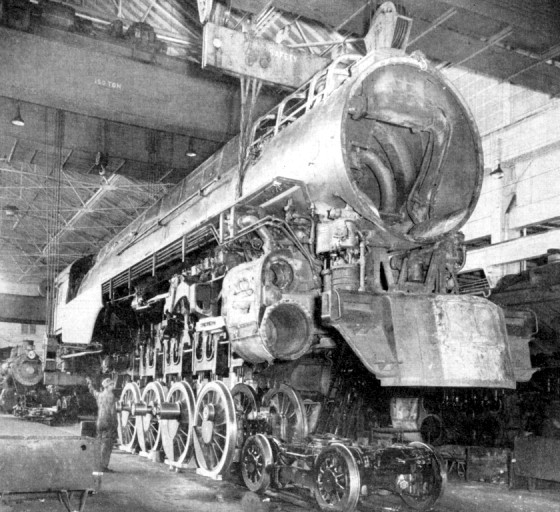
281, 306
24, 393
20, 372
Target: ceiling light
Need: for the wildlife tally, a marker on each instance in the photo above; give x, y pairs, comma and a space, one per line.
11, 210
497, 173
191, 152
18, 120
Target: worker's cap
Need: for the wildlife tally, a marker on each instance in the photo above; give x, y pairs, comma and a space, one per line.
107, 382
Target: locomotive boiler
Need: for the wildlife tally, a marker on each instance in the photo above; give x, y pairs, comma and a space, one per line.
270, 327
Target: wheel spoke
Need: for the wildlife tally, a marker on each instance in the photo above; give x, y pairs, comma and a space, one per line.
217, 445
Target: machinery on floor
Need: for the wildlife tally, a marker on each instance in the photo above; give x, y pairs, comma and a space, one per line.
23, 391
37, 462
280, 306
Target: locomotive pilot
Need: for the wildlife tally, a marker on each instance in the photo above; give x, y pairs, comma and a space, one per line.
106, 418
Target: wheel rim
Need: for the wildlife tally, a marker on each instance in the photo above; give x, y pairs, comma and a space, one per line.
426, 486
337, 479
246, 406
127, 430
256, 461
215, 429
149, 433
176, 434
288, 417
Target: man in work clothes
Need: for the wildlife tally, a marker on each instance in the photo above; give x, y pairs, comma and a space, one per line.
106, 419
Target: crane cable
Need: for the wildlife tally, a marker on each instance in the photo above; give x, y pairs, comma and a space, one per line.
54, 219
250, 89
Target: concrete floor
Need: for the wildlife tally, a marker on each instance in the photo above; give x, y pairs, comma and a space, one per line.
140, 485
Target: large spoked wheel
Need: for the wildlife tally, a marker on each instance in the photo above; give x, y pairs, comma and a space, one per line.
256, 463
176, 432
149, 434
246, 406
337, 479
215, 429
127, 430
288, 419
425, 486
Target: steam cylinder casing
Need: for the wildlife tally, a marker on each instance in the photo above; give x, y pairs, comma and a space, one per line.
268, 320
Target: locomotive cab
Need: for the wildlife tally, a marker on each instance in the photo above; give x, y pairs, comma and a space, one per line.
67, 285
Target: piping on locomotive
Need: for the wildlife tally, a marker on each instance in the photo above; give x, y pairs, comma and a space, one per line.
342, 248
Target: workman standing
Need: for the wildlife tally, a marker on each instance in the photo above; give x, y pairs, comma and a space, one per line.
106, 419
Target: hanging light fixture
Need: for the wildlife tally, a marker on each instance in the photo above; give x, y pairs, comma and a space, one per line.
497, 173
191, 152
18, 120
11, 210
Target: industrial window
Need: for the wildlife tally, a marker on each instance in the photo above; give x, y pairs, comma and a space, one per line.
28, 329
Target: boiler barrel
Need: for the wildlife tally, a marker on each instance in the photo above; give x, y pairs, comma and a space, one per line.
395, 142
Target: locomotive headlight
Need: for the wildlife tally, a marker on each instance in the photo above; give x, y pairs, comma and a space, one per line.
31, 354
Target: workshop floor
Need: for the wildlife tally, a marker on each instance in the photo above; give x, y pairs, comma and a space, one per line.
137, 484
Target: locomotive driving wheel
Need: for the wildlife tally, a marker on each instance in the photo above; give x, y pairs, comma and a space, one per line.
288, 419
256, 463
127, 429
337, 479
215, 429
246, 406
149, 433
422, 489
176, 421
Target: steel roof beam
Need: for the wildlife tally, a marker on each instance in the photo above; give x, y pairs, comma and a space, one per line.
87, 80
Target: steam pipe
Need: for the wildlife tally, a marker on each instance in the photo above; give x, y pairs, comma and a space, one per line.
362, 287
247, 220
385, 178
